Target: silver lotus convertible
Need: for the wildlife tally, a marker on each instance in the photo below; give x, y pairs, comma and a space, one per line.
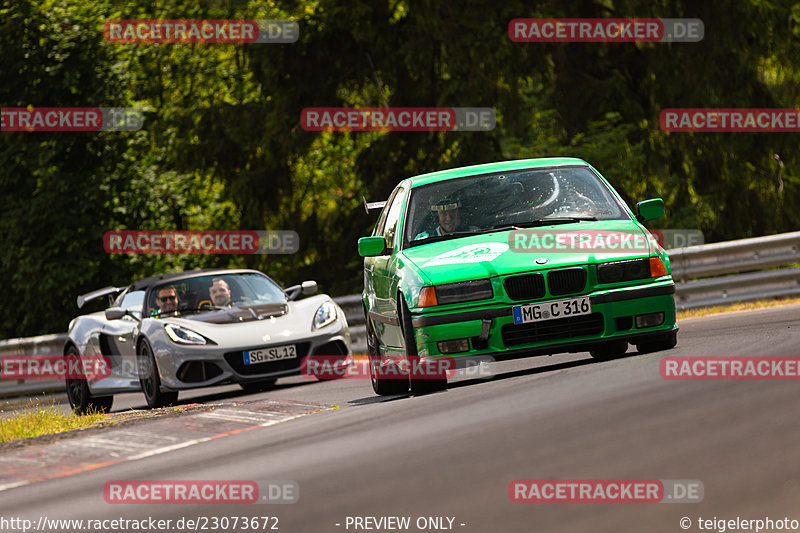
196, 329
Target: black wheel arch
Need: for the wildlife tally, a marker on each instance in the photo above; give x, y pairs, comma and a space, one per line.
70, 344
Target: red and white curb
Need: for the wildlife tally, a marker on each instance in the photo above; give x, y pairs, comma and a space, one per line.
163, 435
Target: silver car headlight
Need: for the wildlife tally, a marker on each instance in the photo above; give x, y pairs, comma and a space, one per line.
326, 314
181, 335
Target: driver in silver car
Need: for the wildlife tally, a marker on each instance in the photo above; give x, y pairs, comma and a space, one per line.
167, 299
220, 293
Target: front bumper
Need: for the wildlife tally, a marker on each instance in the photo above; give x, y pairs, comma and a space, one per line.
613, 318
189, 368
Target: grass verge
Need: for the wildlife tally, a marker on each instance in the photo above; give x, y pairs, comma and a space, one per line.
38, 419
50, 425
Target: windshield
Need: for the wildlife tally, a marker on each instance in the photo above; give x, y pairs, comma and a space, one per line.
466, 206
130, 301
207, 293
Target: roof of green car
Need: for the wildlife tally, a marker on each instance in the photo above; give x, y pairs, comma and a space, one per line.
488, 168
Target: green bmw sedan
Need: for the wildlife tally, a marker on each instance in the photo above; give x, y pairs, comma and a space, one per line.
510, 260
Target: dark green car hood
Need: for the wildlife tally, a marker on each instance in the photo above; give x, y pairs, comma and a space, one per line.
488, 255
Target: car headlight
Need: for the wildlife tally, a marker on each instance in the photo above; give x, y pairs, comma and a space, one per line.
451, 293
183, 335
629, 270
326, 314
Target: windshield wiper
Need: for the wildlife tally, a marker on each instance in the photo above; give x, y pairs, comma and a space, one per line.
565, 220
503, 227
520, 225
540, 222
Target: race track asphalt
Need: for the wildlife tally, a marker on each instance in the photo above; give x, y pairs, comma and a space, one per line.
454, 453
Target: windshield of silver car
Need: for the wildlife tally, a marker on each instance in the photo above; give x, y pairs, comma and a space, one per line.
214, 292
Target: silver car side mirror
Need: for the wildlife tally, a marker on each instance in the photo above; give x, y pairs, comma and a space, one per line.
309, 287
115, 313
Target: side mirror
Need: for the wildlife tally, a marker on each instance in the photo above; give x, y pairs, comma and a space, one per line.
115, 313
371, 246
650, 209
308, 287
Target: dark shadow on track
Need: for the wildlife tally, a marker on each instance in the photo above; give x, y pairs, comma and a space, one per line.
223, 395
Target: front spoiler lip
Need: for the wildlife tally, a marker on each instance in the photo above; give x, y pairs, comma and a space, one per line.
616, 296
461, 360
550, 349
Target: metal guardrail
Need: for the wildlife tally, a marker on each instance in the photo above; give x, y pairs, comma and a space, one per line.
351, 305
41, 345
738, 268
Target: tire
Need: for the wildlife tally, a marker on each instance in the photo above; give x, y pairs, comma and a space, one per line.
610, 350
657, 343
151, 382
381, 386
80, 399
258, 386
417, 385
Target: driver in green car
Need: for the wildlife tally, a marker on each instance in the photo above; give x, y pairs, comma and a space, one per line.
448, 210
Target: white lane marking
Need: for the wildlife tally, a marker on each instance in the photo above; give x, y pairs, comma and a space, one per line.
13, 485
165, 449
187, 443
236, 417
